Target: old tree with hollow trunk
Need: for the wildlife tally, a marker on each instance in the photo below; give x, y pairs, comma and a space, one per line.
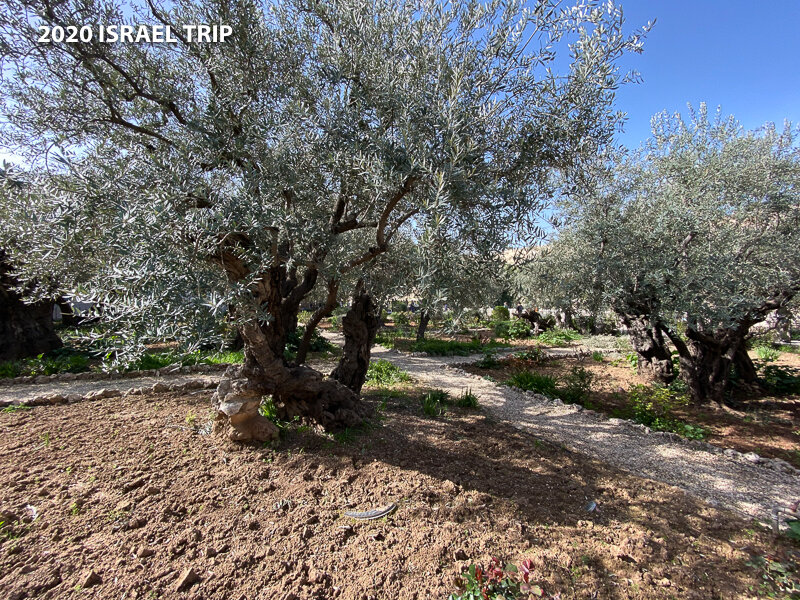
691, 242
238, 177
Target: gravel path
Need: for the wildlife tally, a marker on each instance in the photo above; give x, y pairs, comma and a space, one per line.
720, 480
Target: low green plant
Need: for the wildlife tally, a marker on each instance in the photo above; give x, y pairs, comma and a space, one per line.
500, 313
519, 329
435, 347
576, 386
534, 354
502, 329
633, 360
382, 372
777, 576
534, 382
467, 399
386, 338
597, 356
433, 403
402, 320
654, 405
793, 531
12, 408
779, 379
489, 360
497, 582
558, 337
63, 360
767, 353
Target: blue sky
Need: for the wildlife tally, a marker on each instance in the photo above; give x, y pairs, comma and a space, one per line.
741, 55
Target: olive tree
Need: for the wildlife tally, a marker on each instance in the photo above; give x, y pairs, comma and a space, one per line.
694, 239
26, 328
242, 175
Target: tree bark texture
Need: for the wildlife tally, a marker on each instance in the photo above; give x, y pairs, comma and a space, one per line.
296, 390
655, 358
422, 326
359, 325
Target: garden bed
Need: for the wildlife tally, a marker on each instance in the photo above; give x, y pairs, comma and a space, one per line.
769, 426
125, 498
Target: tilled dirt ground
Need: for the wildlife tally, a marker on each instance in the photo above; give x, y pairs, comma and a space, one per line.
123, 498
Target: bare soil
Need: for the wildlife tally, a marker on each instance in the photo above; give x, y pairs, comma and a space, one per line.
119, 498
767, 425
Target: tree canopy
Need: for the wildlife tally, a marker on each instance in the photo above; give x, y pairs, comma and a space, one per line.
243, 173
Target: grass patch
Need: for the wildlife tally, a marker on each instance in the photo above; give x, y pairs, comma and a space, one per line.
433, 403
383, 373
434, 347
573, 388
63, 360
558, 337
533, 382
467, 399
16, 408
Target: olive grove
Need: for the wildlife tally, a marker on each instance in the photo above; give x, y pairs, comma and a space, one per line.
690, 242
247, 176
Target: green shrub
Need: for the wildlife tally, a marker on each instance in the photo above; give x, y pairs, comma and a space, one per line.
535, 354
500, 313
467, 399
780, 379
433, 403
502, 329
304, 316
576, 387
63, 360
558, 337
767, 353
534, 382
489, 360
519, 329
387, 338
436, 347
654, 405
382, 372
597, 356
401, 320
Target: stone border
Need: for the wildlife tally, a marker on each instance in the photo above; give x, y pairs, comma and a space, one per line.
776, 464
157, 388
174, 369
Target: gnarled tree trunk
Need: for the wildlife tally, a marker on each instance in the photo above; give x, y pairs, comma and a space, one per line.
422, 326
655, 358
25, 329
359, 325
296, 390
706, 359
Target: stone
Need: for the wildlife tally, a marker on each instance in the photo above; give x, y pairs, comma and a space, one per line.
752, 457
88, 579
187, 578
144, 552
159, 387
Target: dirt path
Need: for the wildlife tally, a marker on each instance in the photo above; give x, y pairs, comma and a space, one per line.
720, 480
